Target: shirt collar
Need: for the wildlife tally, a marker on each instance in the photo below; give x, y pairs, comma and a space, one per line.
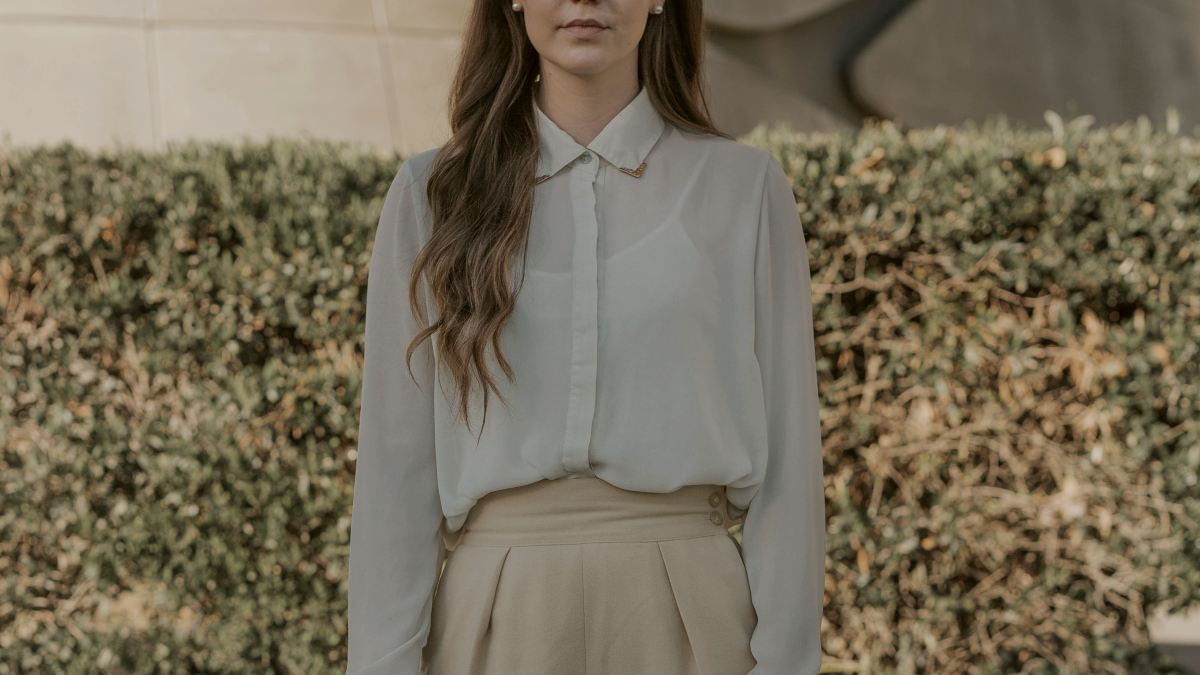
624, 142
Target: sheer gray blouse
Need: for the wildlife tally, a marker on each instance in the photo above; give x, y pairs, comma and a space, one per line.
662, 337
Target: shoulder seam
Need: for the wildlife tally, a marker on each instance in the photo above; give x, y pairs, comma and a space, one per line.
406, 172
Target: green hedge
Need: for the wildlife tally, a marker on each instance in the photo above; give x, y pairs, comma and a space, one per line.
1008, 323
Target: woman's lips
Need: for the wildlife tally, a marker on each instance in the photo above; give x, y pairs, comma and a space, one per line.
580, 30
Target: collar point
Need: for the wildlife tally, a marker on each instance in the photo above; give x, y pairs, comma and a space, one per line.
635, 172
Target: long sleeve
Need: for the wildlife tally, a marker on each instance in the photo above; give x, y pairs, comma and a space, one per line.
396, 549
783, 534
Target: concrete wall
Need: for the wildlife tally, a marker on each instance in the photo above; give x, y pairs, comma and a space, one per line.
146, 72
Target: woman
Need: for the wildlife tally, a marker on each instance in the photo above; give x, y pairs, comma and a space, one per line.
641, 282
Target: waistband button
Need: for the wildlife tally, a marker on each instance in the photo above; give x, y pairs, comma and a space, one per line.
715, 517
714, 499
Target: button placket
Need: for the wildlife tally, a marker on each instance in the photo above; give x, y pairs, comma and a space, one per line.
581, 400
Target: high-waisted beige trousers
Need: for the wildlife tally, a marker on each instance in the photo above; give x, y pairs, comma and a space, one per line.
580, 577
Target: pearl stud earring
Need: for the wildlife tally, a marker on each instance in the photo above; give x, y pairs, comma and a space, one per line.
658, 9
516, 6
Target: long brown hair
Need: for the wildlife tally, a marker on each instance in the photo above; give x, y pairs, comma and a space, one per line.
492, 155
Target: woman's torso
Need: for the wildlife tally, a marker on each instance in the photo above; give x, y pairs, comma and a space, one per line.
632, 340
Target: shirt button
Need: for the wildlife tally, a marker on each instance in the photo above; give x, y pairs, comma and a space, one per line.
715, 517
714, 499
586, 158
